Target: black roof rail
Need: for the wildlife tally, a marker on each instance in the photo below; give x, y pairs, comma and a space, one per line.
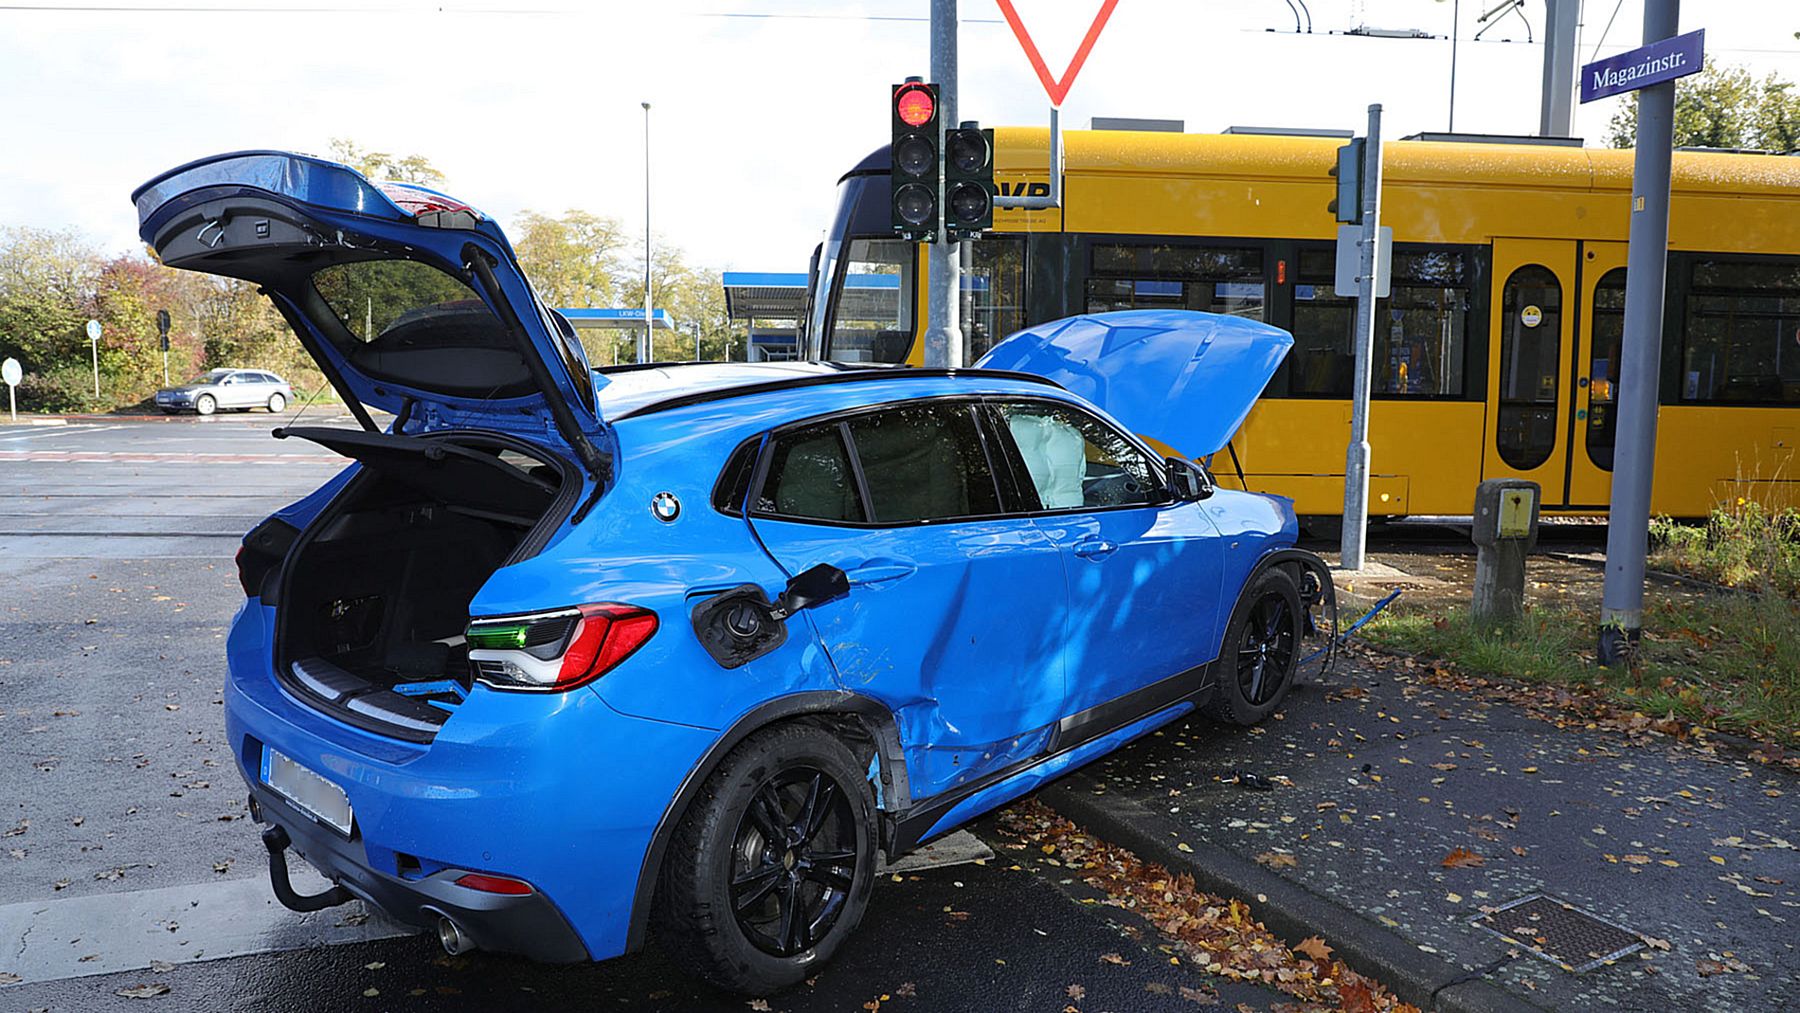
850, 374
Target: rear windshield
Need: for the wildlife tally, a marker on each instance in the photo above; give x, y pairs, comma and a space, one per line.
409, 322
375, 297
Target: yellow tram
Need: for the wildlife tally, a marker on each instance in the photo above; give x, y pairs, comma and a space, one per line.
1496, 355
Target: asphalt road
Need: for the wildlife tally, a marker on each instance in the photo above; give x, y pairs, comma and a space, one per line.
123, 829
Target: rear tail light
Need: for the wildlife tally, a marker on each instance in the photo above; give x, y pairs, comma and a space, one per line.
557, 650
494, 884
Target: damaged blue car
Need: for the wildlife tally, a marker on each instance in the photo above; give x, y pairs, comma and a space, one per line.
567, 657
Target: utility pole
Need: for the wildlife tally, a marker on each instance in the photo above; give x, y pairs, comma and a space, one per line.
646, 344
943, 305
1455, 24
1634, 451
1356, 458
1555, 116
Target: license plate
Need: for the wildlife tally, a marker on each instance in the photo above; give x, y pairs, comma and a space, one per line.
310, 793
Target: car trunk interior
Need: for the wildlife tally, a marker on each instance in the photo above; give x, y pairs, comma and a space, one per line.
377, 590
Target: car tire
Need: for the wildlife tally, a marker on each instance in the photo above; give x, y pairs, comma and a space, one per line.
744, 912
277, 404
1261, 650
205, 404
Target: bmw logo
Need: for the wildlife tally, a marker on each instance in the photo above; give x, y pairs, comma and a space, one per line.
665, 506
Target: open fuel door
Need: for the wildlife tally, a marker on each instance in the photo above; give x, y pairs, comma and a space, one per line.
410, 300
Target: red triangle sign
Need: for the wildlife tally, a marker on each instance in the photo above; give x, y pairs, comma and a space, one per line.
1057, 88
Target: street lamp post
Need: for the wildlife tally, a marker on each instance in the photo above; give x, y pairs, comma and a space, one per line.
644, 347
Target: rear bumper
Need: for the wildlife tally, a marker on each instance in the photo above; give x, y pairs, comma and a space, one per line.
529, 925
558, 790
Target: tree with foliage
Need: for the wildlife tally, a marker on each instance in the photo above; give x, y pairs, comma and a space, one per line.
693, 296
571, 260
1724, 107
380, 165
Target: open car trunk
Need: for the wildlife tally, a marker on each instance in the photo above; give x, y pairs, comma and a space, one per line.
375, 594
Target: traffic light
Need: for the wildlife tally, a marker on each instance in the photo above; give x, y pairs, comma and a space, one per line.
968, 181
914, 175
1347, 205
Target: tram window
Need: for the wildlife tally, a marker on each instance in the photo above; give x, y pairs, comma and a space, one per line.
872, 318
1530, 354
1421, 331
993, 291
1741, 340
1603, 369
1214, 279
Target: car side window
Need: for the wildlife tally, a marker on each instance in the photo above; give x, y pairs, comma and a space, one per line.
924, 462
1074, 461
810, 477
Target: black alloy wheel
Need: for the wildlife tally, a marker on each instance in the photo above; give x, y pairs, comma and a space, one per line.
794, 861
771, 866
1266, 648
1260, 651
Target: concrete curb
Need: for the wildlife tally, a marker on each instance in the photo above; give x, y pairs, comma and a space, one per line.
1286, 908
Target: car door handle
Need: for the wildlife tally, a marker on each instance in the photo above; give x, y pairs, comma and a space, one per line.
1094, 548
876, 571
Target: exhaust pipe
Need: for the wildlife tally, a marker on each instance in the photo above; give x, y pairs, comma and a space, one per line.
451, 936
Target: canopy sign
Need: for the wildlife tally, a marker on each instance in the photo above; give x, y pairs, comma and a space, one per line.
1642, 67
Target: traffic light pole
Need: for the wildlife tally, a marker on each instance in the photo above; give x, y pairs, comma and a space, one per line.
943, 305
1356, 458
1634, 451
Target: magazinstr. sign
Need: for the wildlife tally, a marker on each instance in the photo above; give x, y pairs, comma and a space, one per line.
1645, 66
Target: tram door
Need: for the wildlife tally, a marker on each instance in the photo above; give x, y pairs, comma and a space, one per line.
1531, 355
1600, 330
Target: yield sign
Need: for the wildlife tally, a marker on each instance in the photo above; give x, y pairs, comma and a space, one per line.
1057, 88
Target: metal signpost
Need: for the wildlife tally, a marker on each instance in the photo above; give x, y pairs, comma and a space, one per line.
1653, 69
1356, 458
10, 372
943, 302
943, 329
93, 334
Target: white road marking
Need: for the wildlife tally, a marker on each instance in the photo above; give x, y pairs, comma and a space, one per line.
10, 437
109, 932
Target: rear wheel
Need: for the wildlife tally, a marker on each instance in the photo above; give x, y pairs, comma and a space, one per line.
771, 867
1261, 650
206, 404
277, 403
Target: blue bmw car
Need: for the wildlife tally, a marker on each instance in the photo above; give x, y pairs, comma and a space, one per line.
568, 657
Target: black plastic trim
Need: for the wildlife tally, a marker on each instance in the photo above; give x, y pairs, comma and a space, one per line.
847, 376
895, 789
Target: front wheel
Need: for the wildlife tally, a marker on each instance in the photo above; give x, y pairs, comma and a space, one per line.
205, 404
1261, 650
771, 867
277, 403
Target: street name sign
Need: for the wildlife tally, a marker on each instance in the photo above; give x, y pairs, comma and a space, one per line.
1660, 61
1057, 87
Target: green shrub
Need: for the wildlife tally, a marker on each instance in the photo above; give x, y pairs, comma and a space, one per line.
61, 389
1741, 544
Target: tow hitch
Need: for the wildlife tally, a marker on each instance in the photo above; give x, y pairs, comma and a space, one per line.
276, 840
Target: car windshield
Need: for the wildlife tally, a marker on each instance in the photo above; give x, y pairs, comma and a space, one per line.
213, 377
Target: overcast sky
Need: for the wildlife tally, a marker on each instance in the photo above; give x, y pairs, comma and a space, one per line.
759, 105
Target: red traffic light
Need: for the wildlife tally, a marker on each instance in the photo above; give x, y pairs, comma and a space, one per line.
914, 104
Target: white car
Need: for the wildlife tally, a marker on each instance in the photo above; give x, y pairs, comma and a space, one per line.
227, 388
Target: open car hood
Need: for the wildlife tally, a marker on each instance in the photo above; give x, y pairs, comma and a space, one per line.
1183, 378
443, 326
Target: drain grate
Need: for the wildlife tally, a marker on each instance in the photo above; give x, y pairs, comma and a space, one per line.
1563, 934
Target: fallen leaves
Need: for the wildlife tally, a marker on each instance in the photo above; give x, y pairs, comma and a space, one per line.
1278, 860
149, 991
1462, 858
1216, 934
1314, 947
